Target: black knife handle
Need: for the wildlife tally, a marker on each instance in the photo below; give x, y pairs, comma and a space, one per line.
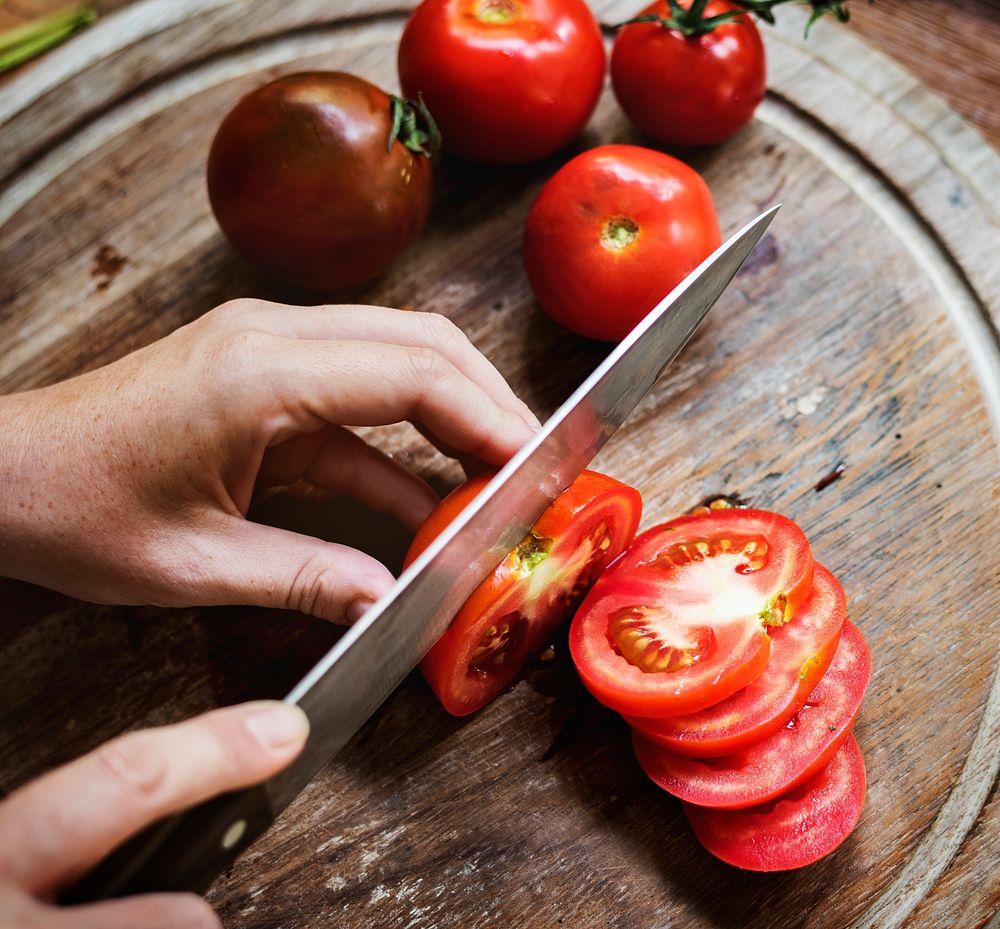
184, 852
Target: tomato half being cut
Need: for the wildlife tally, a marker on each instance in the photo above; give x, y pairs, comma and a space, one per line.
514, 613
795, 830
801, 651
782, 760
680, 621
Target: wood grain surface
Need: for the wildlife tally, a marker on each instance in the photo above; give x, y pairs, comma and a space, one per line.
864, 330
952, 46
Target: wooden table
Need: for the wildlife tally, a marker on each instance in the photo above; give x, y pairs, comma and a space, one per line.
860, 332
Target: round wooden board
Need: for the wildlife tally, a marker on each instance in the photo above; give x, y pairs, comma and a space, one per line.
862, 331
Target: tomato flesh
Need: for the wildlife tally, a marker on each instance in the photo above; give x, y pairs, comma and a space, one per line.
796, 829
516, 611
680, 621
781, 761
801, 652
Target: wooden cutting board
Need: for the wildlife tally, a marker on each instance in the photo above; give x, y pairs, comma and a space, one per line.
863, 331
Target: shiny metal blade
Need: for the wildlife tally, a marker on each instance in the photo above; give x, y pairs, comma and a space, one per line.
349, 683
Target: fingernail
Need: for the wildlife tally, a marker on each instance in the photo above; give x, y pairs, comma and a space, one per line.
276, 725
356, 609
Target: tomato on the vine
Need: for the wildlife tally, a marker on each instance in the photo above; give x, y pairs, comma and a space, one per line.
611, 233
680, 621
320, 179
508, 81
515, 612
781, 761
801, 652
795, 829
685, 78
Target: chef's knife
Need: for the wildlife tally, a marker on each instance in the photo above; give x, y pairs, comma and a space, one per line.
187, 850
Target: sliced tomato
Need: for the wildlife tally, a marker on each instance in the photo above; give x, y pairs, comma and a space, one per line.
801, 651
797, 828
516, 611
782, 760
680, 621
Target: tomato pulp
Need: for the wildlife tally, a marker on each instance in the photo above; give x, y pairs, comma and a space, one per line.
612, 233
689, 90
801, 652
515, 612
680, 621
797, 828
508, 81
781, 761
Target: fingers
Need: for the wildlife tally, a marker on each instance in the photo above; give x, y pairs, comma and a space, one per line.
372, 383
248, 563
152, 911
65, 822
389, 326
339, 461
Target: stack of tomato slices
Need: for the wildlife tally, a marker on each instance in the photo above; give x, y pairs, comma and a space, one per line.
728, 651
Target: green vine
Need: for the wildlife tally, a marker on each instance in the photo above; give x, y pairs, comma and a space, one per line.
23, 43
692, 21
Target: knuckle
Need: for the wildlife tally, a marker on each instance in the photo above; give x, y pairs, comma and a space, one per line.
310, 588
441, 330
428, 368
136, 766
230, 313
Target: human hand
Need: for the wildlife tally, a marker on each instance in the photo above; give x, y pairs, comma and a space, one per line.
130, 484
55, 829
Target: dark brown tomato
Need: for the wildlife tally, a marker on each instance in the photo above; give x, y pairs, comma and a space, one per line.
305, 185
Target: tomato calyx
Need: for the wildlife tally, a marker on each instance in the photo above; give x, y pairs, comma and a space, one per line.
413, 125
619, 232
692, 21
530, 553
496, 12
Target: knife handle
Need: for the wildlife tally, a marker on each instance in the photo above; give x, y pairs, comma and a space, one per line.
183, 852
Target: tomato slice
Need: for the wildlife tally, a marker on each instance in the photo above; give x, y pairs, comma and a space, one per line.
782, 760
797, 828
801, 651
515, 612
679, 621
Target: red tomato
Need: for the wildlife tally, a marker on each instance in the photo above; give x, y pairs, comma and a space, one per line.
794, 830
689, 90
801, 651
305, 185
508, 81
614, 231
514, 613
679, 621
782, 760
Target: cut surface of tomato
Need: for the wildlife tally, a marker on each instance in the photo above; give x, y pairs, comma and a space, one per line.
680, 621
797, 828
515, 612
801, 652
781, 761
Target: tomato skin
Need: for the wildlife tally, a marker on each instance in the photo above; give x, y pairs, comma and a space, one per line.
795, 829
591, 500
781, 761
303, 186
504, 92
689, 91
801, 652
690, 598
611, 233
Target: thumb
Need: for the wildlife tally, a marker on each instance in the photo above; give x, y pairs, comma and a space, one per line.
252, 564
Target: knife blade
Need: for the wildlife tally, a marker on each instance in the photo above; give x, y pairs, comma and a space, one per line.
187, 850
